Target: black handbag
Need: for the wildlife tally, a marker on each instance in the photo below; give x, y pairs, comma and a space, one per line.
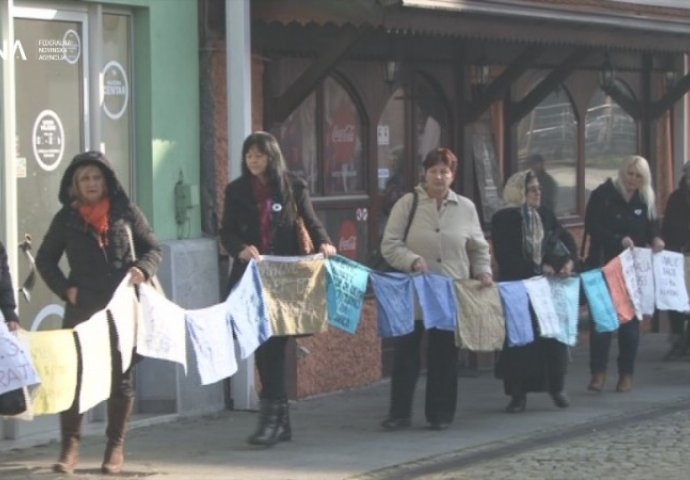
13, 402
376, 260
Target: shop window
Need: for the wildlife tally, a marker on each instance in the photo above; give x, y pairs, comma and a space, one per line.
610, 135
547, 143
327, 125
430, 120
390, 141
344, 169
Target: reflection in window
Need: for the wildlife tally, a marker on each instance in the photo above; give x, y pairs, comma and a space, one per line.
342, 141
429, 119
391, 151
297, 137
547, 143
610, 135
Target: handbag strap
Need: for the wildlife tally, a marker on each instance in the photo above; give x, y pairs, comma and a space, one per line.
415, 201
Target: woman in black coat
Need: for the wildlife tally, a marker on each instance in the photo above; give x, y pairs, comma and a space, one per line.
527, 241
621, 213
93, 230
675, 230
259, 215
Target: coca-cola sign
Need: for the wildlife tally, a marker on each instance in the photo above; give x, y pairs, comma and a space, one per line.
343, 135
347, 241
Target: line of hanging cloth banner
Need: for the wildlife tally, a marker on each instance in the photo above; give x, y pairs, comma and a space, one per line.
306, 295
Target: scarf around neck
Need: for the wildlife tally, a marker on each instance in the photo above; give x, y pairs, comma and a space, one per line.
96, 216
532, 234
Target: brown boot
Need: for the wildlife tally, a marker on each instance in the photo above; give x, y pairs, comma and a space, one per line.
624, 383
597, 382
70, 429
119, 411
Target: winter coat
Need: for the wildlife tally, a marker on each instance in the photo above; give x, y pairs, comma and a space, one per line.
94, 271
506, 234
675, 228
241, 225
609, 218
7, 302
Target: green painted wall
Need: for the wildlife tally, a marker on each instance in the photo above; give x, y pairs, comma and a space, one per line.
166, 106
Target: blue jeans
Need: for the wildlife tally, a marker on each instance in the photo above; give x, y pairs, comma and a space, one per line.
600, 344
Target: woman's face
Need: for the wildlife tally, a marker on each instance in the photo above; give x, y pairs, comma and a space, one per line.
90, 184
256, 161
438, 178
533, 193
632, 179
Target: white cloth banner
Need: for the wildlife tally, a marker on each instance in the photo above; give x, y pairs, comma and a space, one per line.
161, 332
210, 332
539, 293
669, 281
125, 310
96, 361
248, 311
630, 277
16, 366
645, 279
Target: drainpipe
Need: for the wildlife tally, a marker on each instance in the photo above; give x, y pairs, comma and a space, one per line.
238, 51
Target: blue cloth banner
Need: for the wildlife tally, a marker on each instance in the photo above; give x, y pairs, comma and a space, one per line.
600, 303
395, 303
516, 309
346, 284
437, 299
566, 300
247, 309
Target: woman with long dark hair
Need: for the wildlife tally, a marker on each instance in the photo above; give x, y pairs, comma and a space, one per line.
261, 207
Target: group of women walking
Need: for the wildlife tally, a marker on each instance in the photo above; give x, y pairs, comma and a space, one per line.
104, 237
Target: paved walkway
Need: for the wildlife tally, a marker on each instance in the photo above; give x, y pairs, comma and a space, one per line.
337, 436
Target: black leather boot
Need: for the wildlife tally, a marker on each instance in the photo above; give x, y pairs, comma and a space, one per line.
269, 427
70, 430
285, 427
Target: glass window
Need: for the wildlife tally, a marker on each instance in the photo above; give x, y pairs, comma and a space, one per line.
430, 120
547, 143
297, 137
342, 141
392, 173
610, 135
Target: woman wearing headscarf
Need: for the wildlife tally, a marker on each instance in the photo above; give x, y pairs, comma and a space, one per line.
93, 230
675, 230
621, 213
445, 238
528, 241
259, 219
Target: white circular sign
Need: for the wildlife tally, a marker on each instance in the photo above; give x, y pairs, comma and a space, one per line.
115, 93
71, 45
48, 310
48, 139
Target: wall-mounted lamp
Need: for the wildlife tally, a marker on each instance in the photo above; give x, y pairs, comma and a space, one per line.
671, 77
607, 75
390, 71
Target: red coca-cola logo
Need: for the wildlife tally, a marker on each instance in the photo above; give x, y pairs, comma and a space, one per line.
343, 135
347, 241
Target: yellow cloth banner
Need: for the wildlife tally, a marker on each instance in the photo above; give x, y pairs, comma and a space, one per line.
481, 324
295, 293
54, 353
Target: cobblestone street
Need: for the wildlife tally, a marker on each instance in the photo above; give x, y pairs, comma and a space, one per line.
653, 448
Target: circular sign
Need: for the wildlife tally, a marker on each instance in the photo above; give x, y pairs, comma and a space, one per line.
71, 45
115, 90
48, 140
347, 243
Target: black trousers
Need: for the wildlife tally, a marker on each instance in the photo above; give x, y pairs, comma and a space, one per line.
270, 363
628, 342
442, 374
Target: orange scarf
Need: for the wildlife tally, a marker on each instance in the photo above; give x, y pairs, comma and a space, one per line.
96, 215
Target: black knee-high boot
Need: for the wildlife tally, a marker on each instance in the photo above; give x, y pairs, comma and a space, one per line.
269, 428
285, 427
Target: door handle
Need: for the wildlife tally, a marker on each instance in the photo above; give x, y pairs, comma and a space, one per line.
30, 280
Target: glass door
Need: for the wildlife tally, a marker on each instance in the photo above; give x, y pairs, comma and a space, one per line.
52, 124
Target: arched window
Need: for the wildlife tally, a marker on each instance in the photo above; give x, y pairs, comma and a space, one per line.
547, 143
392, 167
610, 135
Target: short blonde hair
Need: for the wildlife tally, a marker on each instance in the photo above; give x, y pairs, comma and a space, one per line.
80, 172
640, 165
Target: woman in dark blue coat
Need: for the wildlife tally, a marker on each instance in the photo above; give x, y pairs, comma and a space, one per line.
261, 207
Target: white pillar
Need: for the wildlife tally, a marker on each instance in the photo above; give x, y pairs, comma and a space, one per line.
238, 51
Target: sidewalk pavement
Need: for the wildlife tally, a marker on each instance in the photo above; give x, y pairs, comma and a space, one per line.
337, 436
